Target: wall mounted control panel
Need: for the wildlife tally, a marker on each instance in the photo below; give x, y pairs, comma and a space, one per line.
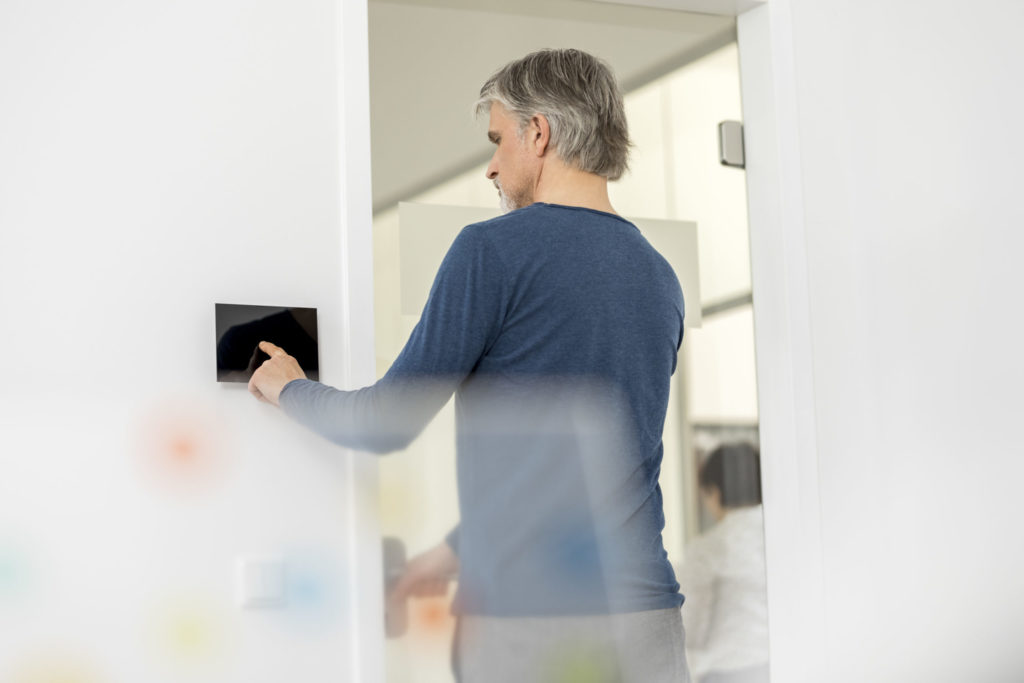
240, 329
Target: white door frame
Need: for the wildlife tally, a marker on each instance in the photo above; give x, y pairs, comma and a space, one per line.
782, 337
366, 592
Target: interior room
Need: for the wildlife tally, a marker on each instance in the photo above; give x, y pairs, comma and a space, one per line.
177, 178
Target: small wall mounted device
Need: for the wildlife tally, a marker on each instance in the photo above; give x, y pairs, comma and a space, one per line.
240, 329
730, 144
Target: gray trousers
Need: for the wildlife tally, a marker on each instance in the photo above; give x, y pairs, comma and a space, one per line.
637, 647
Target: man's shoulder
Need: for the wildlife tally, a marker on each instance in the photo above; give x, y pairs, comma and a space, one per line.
542, 216
508, 220
500, 232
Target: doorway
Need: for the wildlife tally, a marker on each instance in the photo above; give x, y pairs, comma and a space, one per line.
683, 82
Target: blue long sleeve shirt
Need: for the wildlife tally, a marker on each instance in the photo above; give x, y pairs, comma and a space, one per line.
557, 328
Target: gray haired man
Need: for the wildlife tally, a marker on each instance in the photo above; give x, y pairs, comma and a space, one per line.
557, 327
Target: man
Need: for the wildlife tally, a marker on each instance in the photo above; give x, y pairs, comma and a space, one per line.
557, 327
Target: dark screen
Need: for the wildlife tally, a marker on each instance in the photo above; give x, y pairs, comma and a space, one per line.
240, 328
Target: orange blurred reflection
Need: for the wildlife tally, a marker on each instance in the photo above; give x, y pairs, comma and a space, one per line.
182, 445
431, 623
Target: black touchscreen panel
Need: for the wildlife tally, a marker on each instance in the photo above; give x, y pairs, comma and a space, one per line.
240, 328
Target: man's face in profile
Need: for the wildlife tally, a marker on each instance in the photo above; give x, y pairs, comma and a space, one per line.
513, 168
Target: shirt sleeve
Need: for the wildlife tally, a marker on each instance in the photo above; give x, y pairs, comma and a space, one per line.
460, 321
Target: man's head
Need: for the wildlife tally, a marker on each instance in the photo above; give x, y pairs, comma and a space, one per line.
561, 102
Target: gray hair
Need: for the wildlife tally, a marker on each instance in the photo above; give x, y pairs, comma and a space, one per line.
578, 95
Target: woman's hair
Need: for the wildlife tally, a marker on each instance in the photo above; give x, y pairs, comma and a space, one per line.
735, 470
577, 94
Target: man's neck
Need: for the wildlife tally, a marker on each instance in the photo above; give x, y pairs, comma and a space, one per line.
560, 184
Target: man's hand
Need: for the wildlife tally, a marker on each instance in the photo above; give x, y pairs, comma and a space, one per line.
269, 379
427, 574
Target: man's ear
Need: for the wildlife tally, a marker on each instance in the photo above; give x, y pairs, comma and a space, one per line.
539, 134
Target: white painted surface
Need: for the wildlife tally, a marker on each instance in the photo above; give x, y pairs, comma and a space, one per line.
885, 235
425, 233
720, 369
366, 585
155, 159
783, 340
260, 583
698, 98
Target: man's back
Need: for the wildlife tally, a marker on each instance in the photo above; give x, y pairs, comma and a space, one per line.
559, 423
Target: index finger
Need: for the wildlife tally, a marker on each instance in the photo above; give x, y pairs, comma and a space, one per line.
271, 349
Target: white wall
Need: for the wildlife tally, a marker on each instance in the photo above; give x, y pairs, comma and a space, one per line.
156, 158
884, 167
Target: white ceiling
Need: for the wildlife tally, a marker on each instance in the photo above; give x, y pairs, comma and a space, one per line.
428, 59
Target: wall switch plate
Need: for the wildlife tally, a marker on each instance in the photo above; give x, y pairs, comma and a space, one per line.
260, 583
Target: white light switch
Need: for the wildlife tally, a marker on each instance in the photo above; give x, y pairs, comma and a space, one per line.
260, 582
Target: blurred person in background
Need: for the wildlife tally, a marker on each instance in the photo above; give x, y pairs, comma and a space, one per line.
723, 575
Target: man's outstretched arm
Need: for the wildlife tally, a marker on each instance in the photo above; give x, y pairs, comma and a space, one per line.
460, 321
